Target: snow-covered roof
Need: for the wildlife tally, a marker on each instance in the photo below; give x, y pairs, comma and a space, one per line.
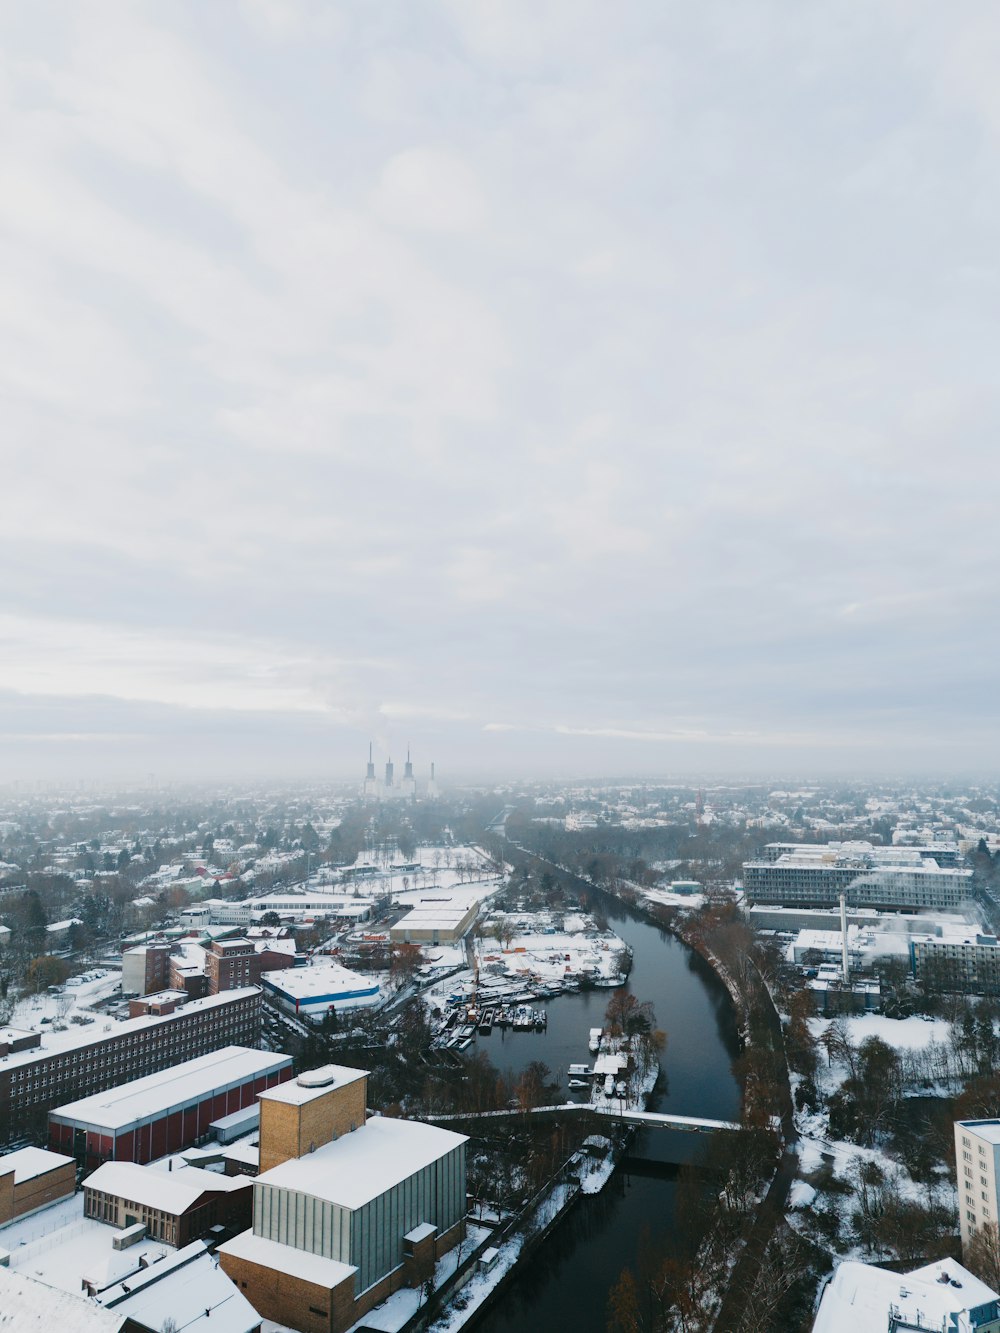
358, 1167
157, 1094
987, 1130
27, 1305
859, 1296
314, 1083
27, 1163
296, 1263
171, 1191
104, 1028
190, 1287
326, 980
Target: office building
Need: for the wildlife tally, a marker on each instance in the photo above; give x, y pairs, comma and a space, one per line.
814, 875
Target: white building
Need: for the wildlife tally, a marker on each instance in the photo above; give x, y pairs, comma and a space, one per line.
943, 1295
313, 991
977, 1162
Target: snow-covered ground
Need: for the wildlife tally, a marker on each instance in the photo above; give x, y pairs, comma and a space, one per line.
537, 950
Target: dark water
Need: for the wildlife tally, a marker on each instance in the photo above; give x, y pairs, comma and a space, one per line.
565, 1284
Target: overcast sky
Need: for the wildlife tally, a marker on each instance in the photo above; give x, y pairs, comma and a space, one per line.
558, 387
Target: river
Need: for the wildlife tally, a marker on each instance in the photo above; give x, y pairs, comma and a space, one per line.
565, 1284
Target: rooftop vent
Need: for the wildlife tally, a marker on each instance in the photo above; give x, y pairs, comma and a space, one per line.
317, 1078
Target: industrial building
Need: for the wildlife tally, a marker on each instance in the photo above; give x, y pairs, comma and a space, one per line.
174, 1206
814, 875
32, 1178
311, 992
345, 1211
190, 1284
64, 1066
437, 919
164, 1112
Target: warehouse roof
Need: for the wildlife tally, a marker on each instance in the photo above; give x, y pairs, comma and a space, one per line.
327, 980
191, 1287
358, 1167
183, 1085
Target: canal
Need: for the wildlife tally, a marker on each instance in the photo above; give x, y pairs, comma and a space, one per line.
565, 1284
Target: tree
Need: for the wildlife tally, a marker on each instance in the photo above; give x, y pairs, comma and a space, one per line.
983, 1254
46, 971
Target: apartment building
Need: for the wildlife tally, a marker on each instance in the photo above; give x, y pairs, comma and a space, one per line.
64, 1066
959, 964
230, 965
814, 875
977, 1164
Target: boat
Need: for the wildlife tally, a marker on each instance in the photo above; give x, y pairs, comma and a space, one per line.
486, 1023
578, 1083
595, 1039
524, 1019
580, 1071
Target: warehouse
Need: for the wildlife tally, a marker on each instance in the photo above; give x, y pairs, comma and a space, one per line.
174, 1206
164, 1112
311, 992
438, 920
32, 1178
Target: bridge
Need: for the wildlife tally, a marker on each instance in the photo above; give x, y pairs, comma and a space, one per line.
649, 1119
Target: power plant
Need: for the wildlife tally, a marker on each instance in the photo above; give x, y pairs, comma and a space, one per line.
388, 789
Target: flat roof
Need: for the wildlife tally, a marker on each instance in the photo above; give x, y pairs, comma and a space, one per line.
320, 1081
181, 1085
859, 1295
323, 981
27, 1163
285, 1259
358, 1167
985, 1129
105, 1029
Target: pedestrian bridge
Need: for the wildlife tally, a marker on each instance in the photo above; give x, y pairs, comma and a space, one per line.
611, 1110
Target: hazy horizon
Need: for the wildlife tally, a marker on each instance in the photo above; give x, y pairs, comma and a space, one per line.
556, 389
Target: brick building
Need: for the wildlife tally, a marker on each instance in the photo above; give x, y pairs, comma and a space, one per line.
230, 965
345, 1211
69, 1065
174, 1206
32, 1178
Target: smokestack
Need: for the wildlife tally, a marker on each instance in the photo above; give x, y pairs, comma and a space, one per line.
843, 933
408, 770
371, 764
388, 773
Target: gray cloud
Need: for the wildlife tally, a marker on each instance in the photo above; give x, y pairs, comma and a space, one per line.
558, 386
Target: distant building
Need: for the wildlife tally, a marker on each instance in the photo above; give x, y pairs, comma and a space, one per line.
815, 874
345, 1212
436, 919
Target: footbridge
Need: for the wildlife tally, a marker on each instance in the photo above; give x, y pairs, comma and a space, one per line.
609, 1111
